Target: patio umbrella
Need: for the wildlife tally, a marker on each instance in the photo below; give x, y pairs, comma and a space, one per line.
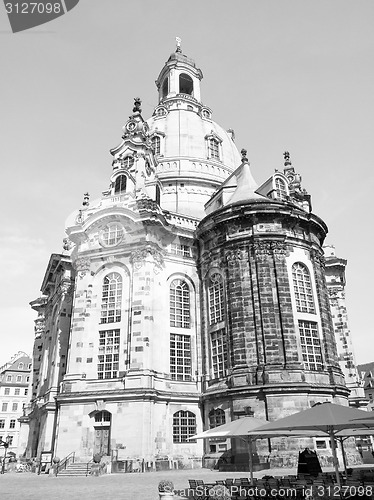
235, 429
327, 418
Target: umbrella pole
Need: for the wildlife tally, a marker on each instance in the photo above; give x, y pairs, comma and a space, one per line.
344, 457
334, 456
249, 442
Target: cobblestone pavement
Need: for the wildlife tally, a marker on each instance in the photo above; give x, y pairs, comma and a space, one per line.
25, 486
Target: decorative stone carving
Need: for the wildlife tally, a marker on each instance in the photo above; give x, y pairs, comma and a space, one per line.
67, 287
79, 218
318, 258
82, 265
67, 244
235, 256
39, 327
138, 258
279, 249
266, 249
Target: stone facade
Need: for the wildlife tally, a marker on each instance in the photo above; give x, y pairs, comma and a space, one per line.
335, 277
14, 387
186, 296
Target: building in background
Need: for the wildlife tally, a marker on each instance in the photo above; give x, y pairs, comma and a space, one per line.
186, 296
14, 386
366, 372
335, 277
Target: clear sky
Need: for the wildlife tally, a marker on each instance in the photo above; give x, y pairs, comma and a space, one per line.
285, 75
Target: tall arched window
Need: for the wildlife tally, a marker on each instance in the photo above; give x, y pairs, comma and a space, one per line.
111, 299
216, 302
179, 304
120, 185
280, 187
156, 144
302, 288
185, 84
184, 426
216, 418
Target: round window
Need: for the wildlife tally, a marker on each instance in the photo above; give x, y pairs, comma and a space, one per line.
112, 234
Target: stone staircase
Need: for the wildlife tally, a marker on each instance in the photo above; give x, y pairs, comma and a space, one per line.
76, 469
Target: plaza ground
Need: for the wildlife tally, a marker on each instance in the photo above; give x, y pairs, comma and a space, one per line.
135, 486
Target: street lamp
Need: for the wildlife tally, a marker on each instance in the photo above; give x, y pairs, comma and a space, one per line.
6, 444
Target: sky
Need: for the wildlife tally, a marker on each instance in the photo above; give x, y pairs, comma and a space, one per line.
285, 75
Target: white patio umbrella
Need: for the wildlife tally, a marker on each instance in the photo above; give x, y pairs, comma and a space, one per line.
239, 428
325, 418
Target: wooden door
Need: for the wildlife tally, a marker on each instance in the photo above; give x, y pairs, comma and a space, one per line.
101, 440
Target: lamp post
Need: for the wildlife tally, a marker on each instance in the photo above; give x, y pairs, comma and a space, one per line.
6, 446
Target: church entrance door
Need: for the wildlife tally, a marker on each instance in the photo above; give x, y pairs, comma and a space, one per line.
102, 433
102, 440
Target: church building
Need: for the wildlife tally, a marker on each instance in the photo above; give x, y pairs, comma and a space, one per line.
186, 296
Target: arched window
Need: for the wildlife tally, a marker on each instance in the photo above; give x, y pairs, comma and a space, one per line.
20, 366
112, 298
213, 148
158, 195
280, 188
127, 162
184, 426
179, 304
156, 144
165, 87
120, 185
216, 418
185, 84
216, 303
302, 288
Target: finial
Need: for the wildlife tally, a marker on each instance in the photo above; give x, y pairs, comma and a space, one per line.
244, 155
137, 104
86, 199
287, 160
179, 41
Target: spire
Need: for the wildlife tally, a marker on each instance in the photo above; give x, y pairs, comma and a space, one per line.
246, 185
297, 194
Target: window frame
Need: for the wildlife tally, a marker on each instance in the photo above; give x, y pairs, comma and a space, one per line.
180, 357
184, 427
112, 234
302, 288
219, 353
311, 346
179, 304
108, 357
111, 305
216, 298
